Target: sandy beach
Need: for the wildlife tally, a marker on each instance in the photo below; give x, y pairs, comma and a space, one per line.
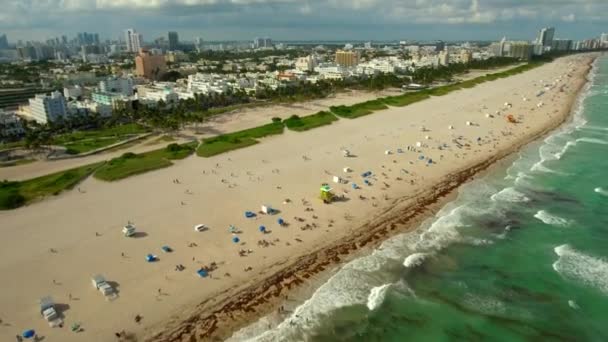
417, 155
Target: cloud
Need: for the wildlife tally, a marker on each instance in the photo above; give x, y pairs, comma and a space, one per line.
301, 19
569, 18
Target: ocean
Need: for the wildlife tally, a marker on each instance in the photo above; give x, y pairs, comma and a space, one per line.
520, 255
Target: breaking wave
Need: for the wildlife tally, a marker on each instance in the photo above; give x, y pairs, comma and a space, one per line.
581, 267
510, 195
551, 219
415, 260
376, 296
601, 191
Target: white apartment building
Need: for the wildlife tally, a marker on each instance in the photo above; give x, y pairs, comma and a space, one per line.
72, 92
47, 108
134, 40
153, 93
307, 63
120, 85
207, 83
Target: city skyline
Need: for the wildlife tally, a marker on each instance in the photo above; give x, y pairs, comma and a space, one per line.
312, 20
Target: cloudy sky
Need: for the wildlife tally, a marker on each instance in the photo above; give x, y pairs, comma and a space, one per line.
305, 19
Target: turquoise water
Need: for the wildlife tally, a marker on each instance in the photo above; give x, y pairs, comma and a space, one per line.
520, 255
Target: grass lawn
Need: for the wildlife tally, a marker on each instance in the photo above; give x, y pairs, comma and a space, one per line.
86, 145
405, 99
359, 109
16, 162
16, 194
130, 164
299, 124
232, 141
116, 131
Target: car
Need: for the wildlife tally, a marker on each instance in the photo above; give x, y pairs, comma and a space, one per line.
200, 228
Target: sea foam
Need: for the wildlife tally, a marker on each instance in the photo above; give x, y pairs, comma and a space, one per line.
376, 296
601, 191
581, 267
414, 260
551, 219
509, 195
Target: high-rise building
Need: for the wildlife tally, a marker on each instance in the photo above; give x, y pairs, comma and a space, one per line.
444, 57
173, 40
47, 108
3, 42
150, 66
604, 40
198, 44
545, 36
561, 45
521, 50
133, 40
466, 56
262, 43
307, 63
347, 58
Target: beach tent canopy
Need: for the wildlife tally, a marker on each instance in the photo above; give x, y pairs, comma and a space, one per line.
249, 214
167, 249
150, 258
267, 209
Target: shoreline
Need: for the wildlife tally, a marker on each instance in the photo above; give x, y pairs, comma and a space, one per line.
218, 319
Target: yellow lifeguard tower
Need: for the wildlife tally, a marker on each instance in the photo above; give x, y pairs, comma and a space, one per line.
326, 195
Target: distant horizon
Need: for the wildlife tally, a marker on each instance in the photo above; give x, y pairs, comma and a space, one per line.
287, 20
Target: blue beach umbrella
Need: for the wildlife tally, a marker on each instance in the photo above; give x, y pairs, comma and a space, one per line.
29, 333
281, 221
235, 239
263, 229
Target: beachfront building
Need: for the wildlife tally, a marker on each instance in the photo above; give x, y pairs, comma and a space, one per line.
444, 57
153, 93
48, 108
521, 50
545, 37
347, 58
121, 85
149, 65
466, 56
330, 71
561, 45
207, 83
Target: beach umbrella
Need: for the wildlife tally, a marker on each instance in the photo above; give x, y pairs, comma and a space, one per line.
354, 186
150, 258
262, 229
29, 333
235, 239
281, 221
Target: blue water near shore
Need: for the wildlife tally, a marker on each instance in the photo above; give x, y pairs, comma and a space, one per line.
520, 255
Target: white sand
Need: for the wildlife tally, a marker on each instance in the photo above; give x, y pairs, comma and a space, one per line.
265, 173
